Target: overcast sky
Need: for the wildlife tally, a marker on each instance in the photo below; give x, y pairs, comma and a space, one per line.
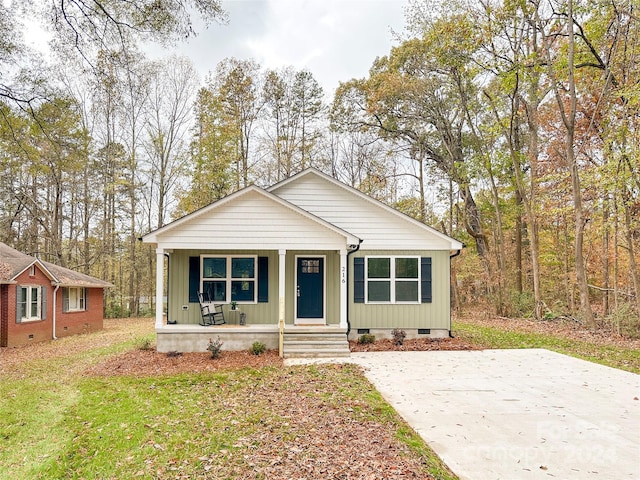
336, 40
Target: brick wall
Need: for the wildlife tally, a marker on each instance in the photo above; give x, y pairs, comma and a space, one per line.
72, 323
34, 331
4, 314
69, 323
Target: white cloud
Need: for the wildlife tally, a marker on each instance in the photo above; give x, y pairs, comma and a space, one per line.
336, 40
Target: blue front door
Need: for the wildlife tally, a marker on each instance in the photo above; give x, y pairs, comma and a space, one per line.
310, 288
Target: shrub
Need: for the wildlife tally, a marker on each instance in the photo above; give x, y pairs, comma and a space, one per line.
215, 347
258, 348
367, 338
144, 343
624, 320
398, 336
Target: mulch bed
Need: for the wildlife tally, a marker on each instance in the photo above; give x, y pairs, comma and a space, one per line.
413, 345
151, 363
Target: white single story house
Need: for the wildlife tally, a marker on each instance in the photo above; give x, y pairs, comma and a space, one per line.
309, 262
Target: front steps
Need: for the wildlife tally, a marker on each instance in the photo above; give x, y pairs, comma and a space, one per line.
315, 342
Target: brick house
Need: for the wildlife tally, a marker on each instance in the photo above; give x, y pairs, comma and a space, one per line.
42, 301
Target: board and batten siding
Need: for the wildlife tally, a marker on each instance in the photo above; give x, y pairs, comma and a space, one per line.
259, 313
433, 315
251, 221
378, 227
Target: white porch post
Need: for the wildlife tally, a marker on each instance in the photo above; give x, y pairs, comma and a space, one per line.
159, 286
282, 255
343, 289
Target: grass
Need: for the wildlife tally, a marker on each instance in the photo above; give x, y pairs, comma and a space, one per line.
614, 356
56, 422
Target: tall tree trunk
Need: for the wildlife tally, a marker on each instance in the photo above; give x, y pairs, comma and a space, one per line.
568, 114
632, 256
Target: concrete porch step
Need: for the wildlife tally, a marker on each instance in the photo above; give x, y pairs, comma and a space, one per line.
315, 342
317, 354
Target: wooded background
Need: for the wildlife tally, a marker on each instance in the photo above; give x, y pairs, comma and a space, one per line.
510, 125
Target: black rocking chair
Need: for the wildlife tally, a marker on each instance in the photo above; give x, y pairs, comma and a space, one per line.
212, 314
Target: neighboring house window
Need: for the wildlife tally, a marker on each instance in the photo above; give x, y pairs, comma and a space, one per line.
30, 303
392, 280
229, 278
74, 299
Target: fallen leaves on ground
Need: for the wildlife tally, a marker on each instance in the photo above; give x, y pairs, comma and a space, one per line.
563, 327
150, 362
413, 345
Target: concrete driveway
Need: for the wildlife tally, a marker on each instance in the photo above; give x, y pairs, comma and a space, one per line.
515, 414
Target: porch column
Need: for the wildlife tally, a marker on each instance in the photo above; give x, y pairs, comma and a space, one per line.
159, 286
343, 289
282, 255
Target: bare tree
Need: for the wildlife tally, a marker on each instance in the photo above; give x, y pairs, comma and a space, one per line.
174, 83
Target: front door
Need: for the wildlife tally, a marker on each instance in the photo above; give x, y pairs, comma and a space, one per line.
310, 290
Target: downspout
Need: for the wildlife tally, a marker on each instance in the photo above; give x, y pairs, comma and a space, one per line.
55, 308
454, 255
349, 253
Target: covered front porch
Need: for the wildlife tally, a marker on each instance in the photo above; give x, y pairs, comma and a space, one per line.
290, 300
291, 341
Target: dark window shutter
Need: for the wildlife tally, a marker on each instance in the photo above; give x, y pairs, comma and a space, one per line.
425, 273
85, 292
358, 280
65, 299
194, 278
263, 279
43, 304
20, 303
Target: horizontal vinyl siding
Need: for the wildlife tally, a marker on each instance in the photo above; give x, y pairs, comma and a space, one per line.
434, 315
259, 313
379, 228
252, 222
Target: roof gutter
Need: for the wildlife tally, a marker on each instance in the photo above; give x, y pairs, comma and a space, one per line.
349, 253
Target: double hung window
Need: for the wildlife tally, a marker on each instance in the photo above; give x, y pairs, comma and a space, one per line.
228, 279
392, 279
30, 303
74, 299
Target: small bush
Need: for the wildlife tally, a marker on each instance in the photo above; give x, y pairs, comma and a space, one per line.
367, 338
258, 348
398, 336
625, 321
215, 347
144, 343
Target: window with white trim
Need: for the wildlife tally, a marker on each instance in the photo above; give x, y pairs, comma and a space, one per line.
29, 303
74, 299
392, 279
228, 279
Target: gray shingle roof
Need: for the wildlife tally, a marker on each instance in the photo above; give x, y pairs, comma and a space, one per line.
14, 262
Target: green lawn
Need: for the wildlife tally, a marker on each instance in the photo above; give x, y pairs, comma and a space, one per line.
615, 356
